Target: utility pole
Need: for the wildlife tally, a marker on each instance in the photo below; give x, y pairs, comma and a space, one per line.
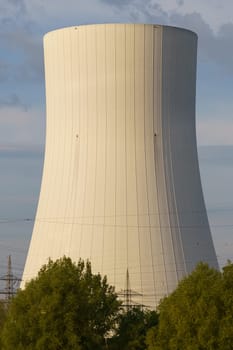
11, 282
128, 293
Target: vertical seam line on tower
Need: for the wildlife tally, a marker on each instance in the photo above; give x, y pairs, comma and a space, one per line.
135, 151
115, 114
168, 175
176, 227
96, 144
145, 148
154, 138
71, 183
106, 137
159, 123
79, 136
126, 197
87, 119
170, 185
165, 120
63, 149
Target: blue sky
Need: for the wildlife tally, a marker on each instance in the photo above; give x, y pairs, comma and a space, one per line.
22, 103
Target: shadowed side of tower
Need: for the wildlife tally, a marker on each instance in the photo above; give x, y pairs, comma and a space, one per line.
121, 183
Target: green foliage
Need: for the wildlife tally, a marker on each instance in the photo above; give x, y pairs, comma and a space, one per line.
226, 325
65, 307
3, 313
198, 315
132, 328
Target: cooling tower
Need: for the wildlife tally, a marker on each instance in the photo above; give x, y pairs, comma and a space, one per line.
121, 184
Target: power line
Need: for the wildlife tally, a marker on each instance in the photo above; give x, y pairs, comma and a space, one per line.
73, 222
11, 282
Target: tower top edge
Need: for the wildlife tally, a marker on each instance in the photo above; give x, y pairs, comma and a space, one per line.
159, 26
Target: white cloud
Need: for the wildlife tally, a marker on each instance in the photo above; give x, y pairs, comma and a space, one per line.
215, 12
53, 14
4, 71
213, 47
27, 50
12, 101
215, 41
215, 132
11, 8
21, 127
40, 16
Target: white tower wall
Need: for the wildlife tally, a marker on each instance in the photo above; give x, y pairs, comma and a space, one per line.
121, 183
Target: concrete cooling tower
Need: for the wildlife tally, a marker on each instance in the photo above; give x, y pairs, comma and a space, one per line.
121, 184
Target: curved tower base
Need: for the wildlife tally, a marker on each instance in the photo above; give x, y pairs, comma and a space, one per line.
121, 183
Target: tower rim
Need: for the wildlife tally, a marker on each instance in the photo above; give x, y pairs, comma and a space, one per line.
155, 25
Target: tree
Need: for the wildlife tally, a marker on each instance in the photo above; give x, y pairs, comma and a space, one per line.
198, 314
226, 325
132, 329
3, 313
64, 307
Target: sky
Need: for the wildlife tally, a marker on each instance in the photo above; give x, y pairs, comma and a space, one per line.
22, 103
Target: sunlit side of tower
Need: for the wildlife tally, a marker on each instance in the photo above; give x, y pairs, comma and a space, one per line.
121, 183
